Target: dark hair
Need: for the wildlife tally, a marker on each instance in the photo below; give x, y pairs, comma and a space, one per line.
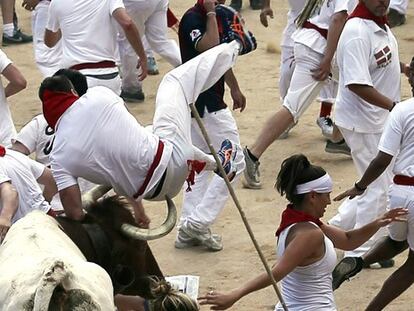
296, 170
55, 83
167, 298
78, 79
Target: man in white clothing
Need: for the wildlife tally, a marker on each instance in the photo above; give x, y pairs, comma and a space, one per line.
369, 87
98, 139
47, 59
16, 83
20, 192
88, 34
150, 16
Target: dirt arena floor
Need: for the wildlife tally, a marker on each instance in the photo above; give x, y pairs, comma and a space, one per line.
258, 75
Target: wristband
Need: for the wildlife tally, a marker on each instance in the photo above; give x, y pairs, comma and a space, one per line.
211, 13
393, 105
359, 188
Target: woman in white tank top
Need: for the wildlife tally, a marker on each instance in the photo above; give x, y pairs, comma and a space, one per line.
306, 255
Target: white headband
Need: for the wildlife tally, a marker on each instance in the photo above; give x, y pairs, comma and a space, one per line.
321, 185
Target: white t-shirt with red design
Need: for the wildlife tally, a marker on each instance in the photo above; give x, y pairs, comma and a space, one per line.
366, 55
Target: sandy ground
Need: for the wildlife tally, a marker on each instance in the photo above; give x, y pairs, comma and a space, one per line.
258, 75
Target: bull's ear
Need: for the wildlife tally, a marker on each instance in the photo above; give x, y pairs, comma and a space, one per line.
153, 234
122, 278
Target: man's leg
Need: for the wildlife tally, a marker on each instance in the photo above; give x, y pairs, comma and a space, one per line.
131, 86
209, 196
395, 285
302, 91
156, 32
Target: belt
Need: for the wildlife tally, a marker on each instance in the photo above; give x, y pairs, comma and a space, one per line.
102, 64
309, 25
105, 76
155, 162
403, 180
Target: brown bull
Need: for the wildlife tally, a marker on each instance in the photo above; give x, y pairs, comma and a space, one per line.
101, 240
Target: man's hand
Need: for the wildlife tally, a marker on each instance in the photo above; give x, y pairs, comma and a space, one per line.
5, 225
351, 193
266, 11
30, 4
239, 100
322, 72
210, 5
142, 69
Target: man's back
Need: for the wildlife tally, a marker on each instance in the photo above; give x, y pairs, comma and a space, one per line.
99, 140
88, 29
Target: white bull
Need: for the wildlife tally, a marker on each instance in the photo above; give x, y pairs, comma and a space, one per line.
40, 265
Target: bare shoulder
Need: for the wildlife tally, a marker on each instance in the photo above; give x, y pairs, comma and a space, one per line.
306, 231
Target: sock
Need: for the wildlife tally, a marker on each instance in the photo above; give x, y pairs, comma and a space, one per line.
326, 109
8, 29
254, 158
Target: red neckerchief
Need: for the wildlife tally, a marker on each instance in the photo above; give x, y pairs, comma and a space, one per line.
55, 104
291, 216
362, 11
200, 4
194, 166
2, 151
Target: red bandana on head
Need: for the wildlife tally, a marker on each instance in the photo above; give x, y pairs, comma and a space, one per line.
55, 104
291, 216
2, 151
362, 11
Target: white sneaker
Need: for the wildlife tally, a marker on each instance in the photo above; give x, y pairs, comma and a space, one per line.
326, 125
202, 237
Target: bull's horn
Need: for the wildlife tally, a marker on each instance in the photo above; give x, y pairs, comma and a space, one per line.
153, 234
93, 195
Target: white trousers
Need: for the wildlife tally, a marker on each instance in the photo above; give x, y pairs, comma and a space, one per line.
303, 88
172, 119
47, 59
203, 204
150, 16
363, 209
287, 66
402, 196
399, 5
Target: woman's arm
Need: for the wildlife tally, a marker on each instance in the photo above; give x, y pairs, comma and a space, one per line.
349, 240
300, 248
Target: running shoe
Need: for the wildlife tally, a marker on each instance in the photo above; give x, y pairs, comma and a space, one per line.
326, 126
251, 173
345, 269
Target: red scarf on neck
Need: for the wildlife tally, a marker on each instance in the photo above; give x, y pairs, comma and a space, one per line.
55, 104
291, 216
362, 11
2, 151
200, 4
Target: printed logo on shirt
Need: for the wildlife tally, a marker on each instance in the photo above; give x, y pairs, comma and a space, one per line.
194, 34
383, 57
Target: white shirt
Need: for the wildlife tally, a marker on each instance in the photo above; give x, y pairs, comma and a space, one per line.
309, 288
366, 55
99, 140
37, 136
296, 7
322, 18
23, 173
398, 138
7, 129
89, 31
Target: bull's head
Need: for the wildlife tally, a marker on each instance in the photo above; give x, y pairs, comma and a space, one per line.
131, 230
